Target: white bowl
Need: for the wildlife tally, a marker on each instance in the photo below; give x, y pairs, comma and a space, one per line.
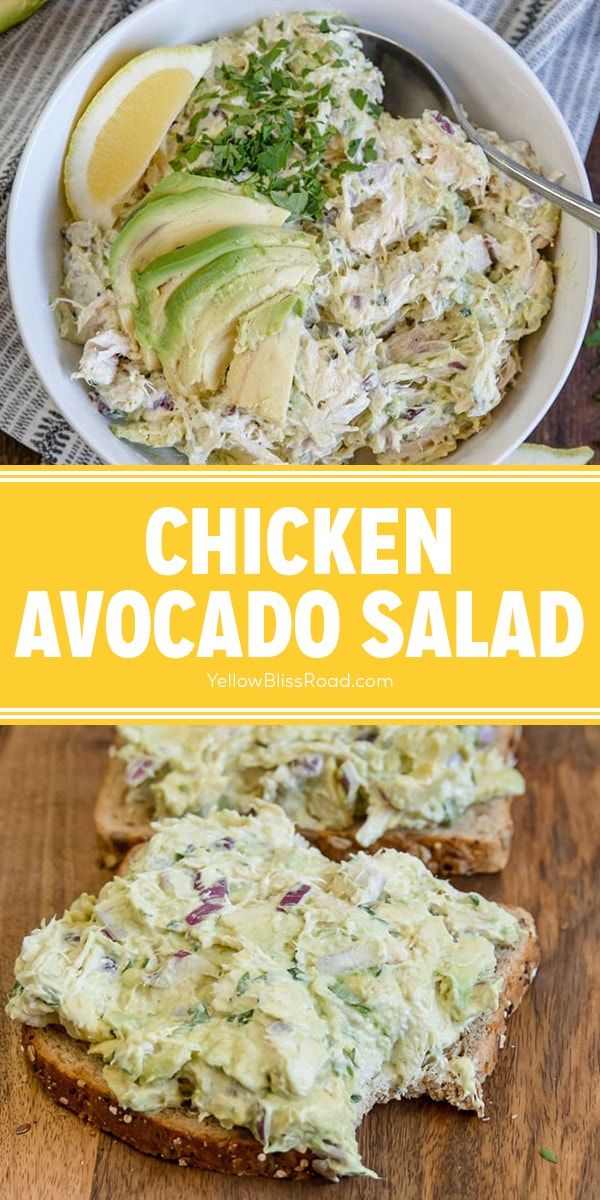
499, 91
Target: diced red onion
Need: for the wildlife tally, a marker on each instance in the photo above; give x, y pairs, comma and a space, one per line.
444, 123
458, 366
294, 896
204, 910
307, 768
162, 977
140, 770
213, 896
163, 401
211, 891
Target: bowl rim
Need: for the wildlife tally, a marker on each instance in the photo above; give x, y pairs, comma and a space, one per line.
124, 452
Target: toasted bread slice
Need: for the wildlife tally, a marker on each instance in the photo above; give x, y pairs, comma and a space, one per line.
479, 842
74, 1079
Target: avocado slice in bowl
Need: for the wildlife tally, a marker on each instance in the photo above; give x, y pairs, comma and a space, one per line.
177, 182
157, 282
160, 225
201, 316
261, 371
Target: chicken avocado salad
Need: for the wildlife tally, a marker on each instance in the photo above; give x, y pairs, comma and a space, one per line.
237, 972
375, 778
299, 276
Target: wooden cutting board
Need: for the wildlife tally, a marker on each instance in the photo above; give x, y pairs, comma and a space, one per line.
544, 1093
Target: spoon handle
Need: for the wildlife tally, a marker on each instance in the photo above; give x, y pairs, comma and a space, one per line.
584, 210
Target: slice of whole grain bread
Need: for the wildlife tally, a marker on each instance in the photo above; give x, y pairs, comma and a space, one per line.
74, 1079
478, 842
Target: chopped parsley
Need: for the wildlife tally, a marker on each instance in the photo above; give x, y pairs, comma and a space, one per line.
549, 1155
296, 973
242, 984
350, 998
246, 979
270, 125
198, 1015
358, 97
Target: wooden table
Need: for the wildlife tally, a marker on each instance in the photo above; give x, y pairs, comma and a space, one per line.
544, 1092
574, 419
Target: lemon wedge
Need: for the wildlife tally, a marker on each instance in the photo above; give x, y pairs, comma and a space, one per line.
529, 454
123, 126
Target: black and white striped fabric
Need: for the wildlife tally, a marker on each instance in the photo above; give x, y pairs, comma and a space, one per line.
560, 39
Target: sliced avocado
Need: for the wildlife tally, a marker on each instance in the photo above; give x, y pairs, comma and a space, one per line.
183, 181
260, 378
201, 315
158, 281
171, 221
265, 320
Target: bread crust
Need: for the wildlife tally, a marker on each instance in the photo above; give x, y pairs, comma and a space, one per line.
74, 1079
478, 843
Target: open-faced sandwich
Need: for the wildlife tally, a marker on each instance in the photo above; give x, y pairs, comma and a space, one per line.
440, 792
237, 1001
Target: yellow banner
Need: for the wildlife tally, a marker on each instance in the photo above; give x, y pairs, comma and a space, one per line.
210, 594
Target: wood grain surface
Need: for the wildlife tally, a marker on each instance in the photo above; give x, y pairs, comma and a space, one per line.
573, 420
544, 1093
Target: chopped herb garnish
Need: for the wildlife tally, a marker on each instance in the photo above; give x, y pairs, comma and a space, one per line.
243, 982
358, 97
369, 153
549, 1155
245, 1016
475, 899
296, 973
276, 131
345, 167
350, 998
198, 1015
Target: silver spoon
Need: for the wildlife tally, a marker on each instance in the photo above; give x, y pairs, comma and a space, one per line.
412, 85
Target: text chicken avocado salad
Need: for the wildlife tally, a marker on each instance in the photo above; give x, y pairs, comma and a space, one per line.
377, 778
235, 971
300, 276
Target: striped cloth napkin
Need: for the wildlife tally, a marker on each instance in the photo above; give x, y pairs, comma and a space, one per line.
560, 39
